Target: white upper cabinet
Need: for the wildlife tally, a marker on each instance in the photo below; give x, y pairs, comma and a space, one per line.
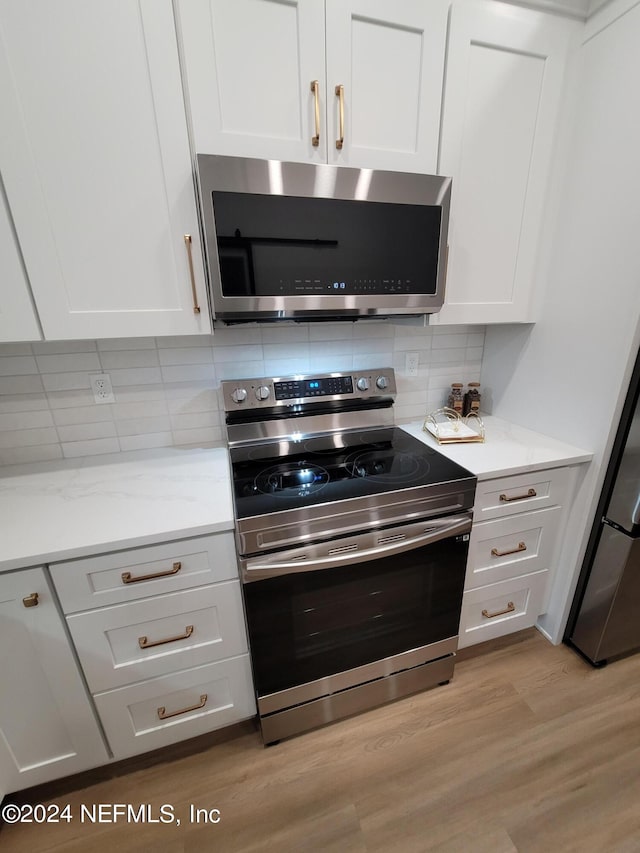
250, 67
97, 169
17, 318
502, 96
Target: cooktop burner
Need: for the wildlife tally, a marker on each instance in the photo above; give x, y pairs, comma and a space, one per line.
286, 474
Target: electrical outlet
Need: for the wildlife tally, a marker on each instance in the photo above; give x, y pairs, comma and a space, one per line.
411, 363
101, 387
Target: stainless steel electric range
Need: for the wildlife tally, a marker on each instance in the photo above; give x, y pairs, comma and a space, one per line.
352, 539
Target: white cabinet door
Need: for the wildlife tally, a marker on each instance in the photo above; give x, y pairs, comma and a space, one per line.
97, 169
389, 57
249, 65
502, 95
47, 726
17, 318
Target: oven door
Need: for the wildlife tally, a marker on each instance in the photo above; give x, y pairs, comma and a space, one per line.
333, 615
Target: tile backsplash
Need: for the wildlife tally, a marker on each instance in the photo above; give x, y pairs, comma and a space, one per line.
167, 389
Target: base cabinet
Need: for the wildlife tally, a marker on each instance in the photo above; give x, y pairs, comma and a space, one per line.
516, 526
47, 724
161, 637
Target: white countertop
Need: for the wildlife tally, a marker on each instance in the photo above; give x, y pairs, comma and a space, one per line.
507, 449
56, 511
61, 510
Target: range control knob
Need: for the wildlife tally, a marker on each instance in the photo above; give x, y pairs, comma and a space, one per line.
262, 392
382, 382
239, 395
362, 384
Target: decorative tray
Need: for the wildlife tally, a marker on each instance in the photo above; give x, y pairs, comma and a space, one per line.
448, 427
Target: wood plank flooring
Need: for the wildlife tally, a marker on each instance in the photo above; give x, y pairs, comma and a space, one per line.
528, 749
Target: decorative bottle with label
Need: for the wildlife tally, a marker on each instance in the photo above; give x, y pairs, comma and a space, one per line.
455, 400
472, 399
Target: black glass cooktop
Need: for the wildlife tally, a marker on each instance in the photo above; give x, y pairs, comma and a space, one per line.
287, 474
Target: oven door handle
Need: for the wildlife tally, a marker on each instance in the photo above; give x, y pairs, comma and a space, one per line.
437, 529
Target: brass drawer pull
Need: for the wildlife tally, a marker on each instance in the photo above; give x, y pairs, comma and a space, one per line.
194, 293
144, 643
340, 95
127, 577
162, 712
508, 609
315, 88
31, 600
496, 553
530, 494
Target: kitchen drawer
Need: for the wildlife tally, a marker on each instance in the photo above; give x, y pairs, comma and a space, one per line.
98, 581
193, 702
501, 608
507, 547
184, 629
520, 493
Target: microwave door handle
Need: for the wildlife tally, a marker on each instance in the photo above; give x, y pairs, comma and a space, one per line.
437, 530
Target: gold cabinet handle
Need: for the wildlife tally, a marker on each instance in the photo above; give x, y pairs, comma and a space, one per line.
144, 643
127, 577
187, 242
496, 553
340, 95
530, 494
162, 712
508, 609
31, 600
315, 88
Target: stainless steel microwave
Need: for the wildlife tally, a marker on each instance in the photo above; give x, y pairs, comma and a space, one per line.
315, 242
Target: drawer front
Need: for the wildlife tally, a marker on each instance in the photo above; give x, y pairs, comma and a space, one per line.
143, 639
129, 575
520, 493
185, 704
501, 608
508, 547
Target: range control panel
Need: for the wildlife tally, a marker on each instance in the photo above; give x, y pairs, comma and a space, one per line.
294, 390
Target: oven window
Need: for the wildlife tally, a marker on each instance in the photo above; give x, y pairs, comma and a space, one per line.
310, 625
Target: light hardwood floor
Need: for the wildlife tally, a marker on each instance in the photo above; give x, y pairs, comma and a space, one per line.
528, 749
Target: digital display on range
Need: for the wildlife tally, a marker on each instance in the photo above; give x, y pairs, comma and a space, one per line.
296, 388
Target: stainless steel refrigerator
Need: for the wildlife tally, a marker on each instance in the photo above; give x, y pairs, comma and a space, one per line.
605, 618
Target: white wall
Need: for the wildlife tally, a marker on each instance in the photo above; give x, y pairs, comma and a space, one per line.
567, 375
166, 389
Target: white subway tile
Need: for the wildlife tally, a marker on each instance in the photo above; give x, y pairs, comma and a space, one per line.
68, 363
140, 393
186, 372
66, 381
199, 437
250, 352
84, 432
413, 412
20, 384
58, 347
83, 414
28, 437
372, 345
277, 333
15, 349
115, 359
93, 447
17, 365
185, 341
195, 420
240, 370
447, 356
142, 409
319, 349
148, 440
202, 401
320, 363
188, 390
288, 367
330, 331
473, 354
37, 453
288, 351
126, 344
449, 342
186, 355
25, 420
143, 425
22, 402
135, 376
411, 343
237, 335
475, 339
369, 361
71, 399
373, 329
